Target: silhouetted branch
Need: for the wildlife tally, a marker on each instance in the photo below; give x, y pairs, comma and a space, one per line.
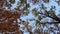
56, 18
50, 23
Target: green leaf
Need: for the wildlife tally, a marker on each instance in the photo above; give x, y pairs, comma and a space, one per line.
27, 5
34, 11
12, 1
45, 32
37, 22
39, 18
26, 13
23, 1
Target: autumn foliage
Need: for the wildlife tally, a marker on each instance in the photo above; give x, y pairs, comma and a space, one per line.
8, 21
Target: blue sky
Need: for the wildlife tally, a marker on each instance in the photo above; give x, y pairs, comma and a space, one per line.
32, 6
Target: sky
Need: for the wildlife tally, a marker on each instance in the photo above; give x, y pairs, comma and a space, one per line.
32, 6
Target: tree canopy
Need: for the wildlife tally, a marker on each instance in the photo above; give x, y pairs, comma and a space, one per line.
31, 16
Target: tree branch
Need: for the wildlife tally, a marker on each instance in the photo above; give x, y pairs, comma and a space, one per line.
50, 22
56, 18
